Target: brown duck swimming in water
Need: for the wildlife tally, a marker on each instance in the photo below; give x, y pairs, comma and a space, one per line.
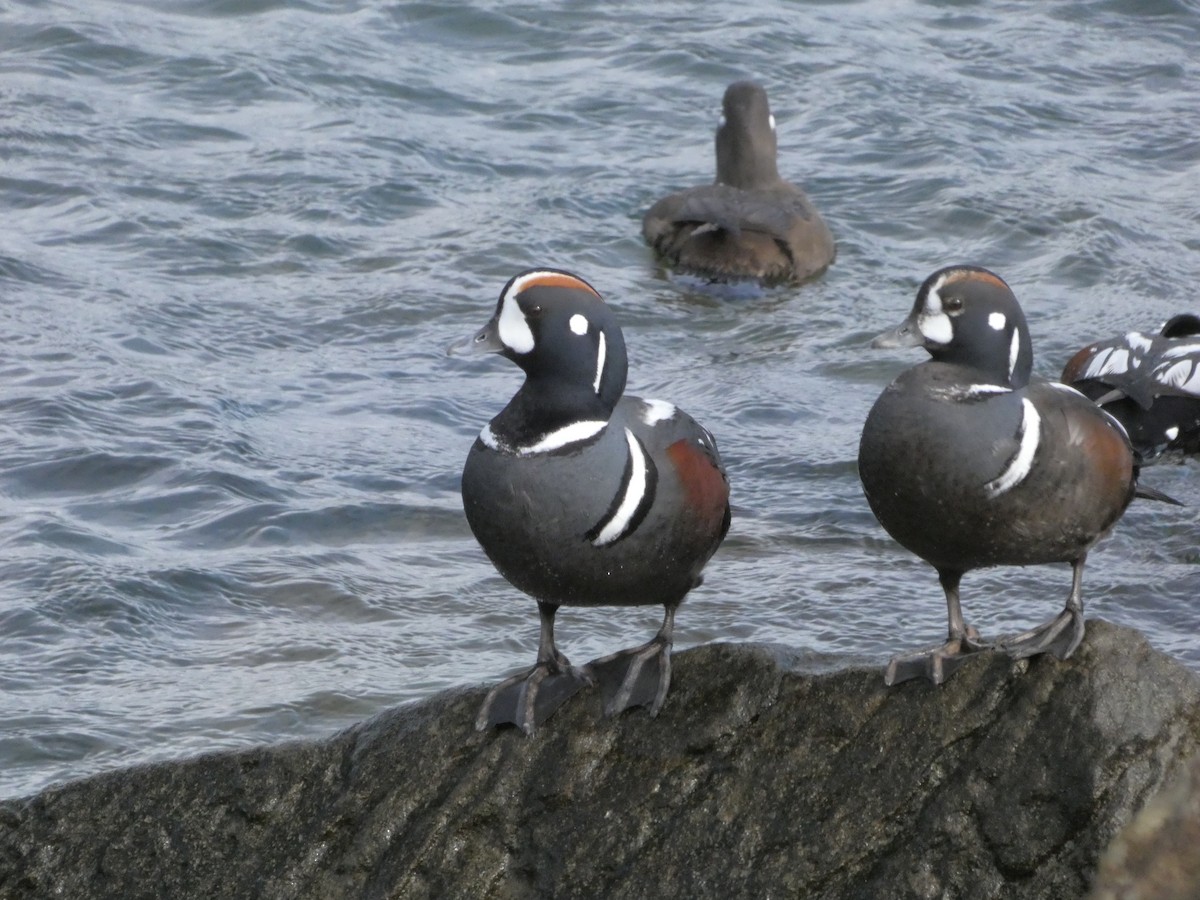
750, 224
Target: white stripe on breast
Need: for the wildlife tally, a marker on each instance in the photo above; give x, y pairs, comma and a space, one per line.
634, 490
1019, 466
575, 433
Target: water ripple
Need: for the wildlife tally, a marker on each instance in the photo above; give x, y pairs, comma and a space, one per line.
240, 236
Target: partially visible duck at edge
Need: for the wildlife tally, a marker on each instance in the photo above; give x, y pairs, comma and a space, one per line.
969, 462
749, 225
1149, 382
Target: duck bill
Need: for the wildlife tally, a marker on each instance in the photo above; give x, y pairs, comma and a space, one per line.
906, 334
486, 340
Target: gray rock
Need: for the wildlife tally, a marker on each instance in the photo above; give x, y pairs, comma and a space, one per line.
1157, 856
757, 780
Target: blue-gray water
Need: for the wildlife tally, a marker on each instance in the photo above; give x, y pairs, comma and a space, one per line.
237, 236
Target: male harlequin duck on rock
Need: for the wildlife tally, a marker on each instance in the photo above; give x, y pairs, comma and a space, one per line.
968, 462
750, 225
583, 497
1149, 382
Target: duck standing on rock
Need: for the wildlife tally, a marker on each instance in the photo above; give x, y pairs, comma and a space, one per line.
968, 462
750, 225
1150, 383
581, 496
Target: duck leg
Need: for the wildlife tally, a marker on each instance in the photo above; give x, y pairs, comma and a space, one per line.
528, 699
939, 663
639, 676
1062, 634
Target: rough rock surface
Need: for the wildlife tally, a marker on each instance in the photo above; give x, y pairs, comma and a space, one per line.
757, 780
1157, 856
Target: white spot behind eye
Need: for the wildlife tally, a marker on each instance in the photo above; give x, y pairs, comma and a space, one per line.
771, 119
1172, 433
997, 321
579, 324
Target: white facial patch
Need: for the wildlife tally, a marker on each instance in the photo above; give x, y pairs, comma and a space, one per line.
1014, 350
657, 411
1172, 433
601, 353
1017, 469
771, 119
933, 322
634, 491
936, 328
579, 324
997, 321
512, 326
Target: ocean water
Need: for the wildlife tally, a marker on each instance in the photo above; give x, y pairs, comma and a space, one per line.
237, 237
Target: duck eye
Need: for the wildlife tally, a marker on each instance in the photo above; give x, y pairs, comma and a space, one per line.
533, 312
952, 304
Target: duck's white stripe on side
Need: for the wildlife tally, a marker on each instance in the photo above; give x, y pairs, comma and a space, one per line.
1014, 350
1182, 350
971, 392
1066, 388
1018, 467
575, 433
657, 411
1117, 362
601, 352
1184, 375
635, 489
1138, 341
1095, 365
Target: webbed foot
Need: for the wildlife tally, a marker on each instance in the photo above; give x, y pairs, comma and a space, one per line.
1060, 636
639, 676
936, 663
528, 699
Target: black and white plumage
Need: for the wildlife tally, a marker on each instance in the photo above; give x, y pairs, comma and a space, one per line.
1149, 382
969, 462
750, 224
581, 496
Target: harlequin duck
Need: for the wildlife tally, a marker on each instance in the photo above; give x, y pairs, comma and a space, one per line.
583, 497
750, 225
968, 462
1149, 382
